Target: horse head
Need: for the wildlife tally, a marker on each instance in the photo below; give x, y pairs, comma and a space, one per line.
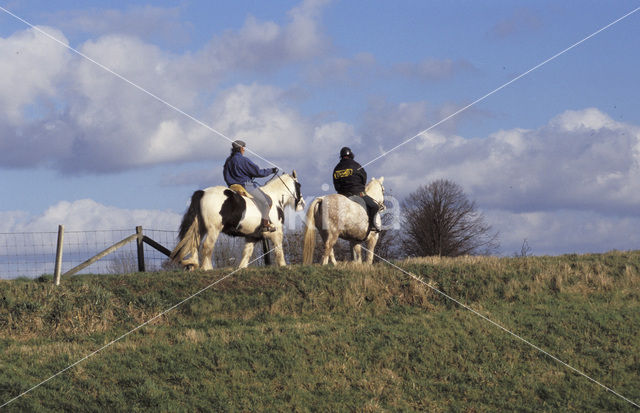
299, 203
289, 188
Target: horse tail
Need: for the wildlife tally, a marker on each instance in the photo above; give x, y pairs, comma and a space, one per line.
310, 233
191, 230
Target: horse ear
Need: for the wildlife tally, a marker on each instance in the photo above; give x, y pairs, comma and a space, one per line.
381, 179
294, 174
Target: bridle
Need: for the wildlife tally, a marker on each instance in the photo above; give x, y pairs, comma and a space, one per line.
295, 197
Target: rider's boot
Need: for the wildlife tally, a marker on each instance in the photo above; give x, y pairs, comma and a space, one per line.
373, 224
267, 226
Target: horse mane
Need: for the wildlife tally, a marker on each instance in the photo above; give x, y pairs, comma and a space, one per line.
275, 179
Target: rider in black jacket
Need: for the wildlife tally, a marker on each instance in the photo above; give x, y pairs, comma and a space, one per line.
349, 179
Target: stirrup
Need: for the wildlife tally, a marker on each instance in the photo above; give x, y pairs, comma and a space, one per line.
267, 228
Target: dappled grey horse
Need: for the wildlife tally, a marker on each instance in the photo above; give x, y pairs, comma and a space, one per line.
336, 216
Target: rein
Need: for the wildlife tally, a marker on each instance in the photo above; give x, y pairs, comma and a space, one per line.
285, 185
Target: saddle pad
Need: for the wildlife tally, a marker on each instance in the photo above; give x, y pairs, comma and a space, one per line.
358, 200
240, 189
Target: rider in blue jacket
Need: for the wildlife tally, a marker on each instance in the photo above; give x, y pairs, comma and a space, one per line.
241, 171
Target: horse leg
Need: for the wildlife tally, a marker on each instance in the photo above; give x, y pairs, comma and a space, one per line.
247, 252
191, 263
276, 238
206, 251
371, 244
324, 235
329, 242
356, 250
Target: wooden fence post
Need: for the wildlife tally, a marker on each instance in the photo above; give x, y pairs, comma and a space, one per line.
140, 242
56, 272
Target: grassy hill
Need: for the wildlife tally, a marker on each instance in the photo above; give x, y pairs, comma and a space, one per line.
310, 338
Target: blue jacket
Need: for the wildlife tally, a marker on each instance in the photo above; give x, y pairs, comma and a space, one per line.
240, 170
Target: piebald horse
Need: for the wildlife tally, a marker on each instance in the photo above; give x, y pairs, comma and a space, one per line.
219, 209
337, 216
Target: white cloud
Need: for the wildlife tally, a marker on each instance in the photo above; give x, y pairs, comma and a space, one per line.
86, 215
311, 150
31, 74
30, 70
327, 141
146, 22
10, 221
589, 119
93, 121
580, 160
261, 45
303, 36
64, 111
118, 126
388, 124
572, 185
564, 232
259, 115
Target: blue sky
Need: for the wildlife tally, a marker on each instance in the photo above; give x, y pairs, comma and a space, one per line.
553, 158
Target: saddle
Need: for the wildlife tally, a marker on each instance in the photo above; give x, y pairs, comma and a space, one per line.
358, 199
239, 189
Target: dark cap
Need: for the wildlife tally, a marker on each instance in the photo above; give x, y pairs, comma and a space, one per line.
237, 144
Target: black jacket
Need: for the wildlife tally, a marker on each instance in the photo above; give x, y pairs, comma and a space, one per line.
349, 177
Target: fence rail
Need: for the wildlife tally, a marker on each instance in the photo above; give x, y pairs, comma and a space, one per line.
33, 254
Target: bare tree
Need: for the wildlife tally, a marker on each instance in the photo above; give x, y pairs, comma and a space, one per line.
525, 250
292, 245
440, 220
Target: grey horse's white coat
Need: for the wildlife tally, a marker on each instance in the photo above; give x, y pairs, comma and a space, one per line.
336, 216
217, 209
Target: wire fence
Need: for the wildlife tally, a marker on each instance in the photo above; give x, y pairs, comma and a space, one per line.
32, 254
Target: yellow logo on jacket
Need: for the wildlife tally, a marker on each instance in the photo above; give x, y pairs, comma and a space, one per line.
343, 173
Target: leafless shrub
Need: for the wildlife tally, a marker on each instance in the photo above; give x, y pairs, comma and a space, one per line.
123, 262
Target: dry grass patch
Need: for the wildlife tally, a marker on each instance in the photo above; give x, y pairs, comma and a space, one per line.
194, 336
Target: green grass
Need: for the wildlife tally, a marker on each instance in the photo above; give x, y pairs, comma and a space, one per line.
330, 339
